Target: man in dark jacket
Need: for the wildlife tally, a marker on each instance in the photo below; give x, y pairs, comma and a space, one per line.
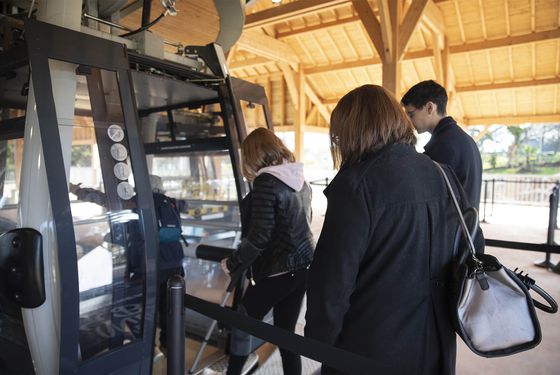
426, 104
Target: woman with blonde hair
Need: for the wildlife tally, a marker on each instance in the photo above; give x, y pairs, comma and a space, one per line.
278, 243
377, 284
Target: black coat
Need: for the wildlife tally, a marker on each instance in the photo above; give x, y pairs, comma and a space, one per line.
278, 236
377, 282
452, 146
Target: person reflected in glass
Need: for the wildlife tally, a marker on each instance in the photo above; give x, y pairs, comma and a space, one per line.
377, 284
170, 241
278, 245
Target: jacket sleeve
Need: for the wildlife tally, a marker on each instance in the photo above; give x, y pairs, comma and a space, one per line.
339, 252
261, 224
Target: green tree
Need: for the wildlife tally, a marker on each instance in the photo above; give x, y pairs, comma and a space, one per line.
513, 151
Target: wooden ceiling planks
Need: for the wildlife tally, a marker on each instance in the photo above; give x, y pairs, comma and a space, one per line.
337, 53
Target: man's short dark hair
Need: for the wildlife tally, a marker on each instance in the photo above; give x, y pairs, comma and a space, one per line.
424, 92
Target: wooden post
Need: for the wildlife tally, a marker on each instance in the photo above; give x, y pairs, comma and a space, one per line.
300, 116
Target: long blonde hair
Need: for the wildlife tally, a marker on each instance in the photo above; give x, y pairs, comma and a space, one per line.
365, 120
262, 148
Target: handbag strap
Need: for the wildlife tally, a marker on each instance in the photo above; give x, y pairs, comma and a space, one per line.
462, 222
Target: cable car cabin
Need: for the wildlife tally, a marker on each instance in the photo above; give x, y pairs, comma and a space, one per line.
78, 290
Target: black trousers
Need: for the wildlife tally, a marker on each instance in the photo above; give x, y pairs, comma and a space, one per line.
283, 294
163, 276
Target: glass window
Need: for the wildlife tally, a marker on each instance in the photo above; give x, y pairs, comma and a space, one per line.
109, 240
10, 168
253, 114
186, 124
205, 181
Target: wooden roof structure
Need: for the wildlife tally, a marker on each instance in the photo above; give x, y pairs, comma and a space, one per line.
498, 59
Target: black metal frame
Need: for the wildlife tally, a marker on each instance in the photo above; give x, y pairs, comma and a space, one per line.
46, 42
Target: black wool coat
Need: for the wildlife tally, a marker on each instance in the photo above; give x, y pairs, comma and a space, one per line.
452, 146
377, 284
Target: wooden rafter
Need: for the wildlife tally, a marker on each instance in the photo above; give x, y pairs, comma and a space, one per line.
320, 26
482, 133
513, 120
290, 83
371, 24
434, 18
438, 63
409, 23
248, 63
461, 48
507, 41
459, 20
266, 46
509, 85
483, 19
288, 11
323, 111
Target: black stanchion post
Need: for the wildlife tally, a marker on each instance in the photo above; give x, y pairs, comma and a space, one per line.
552, 214
493, 186
485, 196
557, 186
176, 326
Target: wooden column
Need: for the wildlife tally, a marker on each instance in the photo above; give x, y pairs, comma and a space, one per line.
299, 123
391, 61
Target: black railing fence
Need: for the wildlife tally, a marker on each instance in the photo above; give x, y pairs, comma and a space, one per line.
519, 190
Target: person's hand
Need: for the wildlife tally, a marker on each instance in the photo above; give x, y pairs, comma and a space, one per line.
223, 263
74, 188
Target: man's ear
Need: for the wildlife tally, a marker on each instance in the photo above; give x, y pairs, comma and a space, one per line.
431, 108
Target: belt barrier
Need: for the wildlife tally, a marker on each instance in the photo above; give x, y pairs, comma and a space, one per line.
319, 351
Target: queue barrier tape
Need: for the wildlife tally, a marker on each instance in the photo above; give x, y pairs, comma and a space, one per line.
319, 351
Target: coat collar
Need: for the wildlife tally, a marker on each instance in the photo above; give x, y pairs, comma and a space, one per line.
443, 125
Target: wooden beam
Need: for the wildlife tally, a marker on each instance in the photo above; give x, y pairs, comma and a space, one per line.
438, 63
288, 11
461, 48
299, 122
391, 69
310, 115
433, 18
509, 85
268, 47
248, 63
410, 21
323, 111
481, 134
320, 26
386, 30
513, 120
507, 41
446, 79
290, 83
371, 24
282, 99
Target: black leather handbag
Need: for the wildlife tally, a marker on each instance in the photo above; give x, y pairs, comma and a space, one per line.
492, 309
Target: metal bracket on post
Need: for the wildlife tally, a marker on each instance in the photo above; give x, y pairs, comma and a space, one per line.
176, 325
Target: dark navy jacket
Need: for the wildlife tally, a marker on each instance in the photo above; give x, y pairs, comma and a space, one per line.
452, 146
376, 286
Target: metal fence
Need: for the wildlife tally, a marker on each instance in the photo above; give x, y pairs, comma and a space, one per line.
530, 190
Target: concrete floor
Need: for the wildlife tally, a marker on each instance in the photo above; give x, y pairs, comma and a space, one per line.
513, 223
